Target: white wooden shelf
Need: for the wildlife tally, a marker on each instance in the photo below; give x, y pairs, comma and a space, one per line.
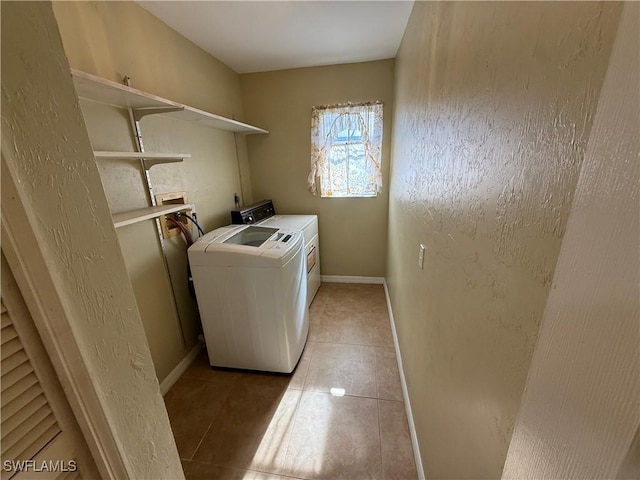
137, 155
141, 214
149, 159
106, 91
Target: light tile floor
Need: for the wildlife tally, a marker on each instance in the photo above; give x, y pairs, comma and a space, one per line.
244, 425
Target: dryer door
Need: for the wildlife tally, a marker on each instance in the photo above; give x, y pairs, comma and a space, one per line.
313, 268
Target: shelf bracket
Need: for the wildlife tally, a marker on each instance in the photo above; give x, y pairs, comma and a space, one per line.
150, 162
138, 113
135, 114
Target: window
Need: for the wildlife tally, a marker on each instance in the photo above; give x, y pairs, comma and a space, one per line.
346, 143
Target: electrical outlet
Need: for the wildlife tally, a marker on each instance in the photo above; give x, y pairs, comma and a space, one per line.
421, 255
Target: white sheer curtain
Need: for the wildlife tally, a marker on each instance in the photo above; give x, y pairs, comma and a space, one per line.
346, 144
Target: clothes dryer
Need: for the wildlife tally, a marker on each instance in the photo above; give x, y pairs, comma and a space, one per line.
264, 213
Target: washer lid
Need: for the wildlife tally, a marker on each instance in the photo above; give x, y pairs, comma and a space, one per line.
251, 236
246, 245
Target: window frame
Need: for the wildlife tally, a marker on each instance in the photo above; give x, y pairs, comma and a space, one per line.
325, 143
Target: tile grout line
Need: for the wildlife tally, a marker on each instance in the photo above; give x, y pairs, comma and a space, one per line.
378, 410
306, 375
375, 375
380, 436
349, 395
256, 470
349, 343
200, 442
293, 426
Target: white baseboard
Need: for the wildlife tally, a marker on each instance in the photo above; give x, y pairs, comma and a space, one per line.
348, 279
405, 392
177, 372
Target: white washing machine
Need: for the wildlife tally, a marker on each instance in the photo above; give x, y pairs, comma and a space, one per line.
263, 213
251, 291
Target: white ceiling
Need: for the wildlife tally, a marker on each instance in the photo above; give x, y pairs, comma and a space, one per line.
258, 36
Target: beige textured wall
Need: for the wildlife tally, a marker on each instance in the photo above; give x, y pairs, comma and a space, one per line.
580, 412
111, 39
493, 109
48, 155
352, 230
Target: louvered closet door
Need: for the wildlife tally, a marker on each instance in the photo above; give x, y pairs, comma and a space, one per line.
34, 445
